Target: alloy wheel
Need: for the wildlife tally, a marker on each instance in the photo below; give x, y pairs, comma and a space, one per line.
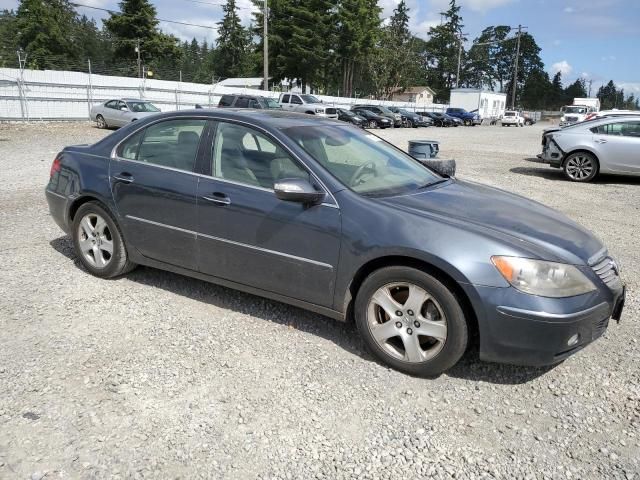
580, 167
95, 240
372, 124
407, 322
100, 121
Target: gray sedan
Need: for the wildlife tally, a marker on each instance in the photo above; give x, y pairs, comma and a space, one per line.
583, 150
119, 112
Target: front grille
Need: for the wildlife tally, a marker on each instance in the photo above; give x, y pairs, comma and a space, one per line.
572, 119
330, 111
607, 270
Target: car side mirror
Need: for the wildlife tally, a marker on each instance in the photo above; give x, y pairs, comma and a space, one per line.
123, 109
297, 190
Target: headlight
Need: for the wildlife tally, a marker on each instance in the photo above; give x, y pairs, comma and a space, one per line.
539, 277
319, 110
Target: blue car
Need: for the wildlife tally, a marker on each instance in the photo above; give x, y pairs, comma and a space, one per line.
468, 118
331, 218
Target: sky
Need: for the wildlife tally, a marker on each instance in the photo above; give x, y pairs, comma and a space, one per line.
594, 39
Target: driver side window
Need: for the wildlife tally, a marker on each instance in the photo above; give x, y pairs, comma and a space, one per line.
296, 100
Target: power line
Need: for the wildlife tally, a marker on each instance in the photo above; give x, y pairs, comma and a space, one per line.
159, 19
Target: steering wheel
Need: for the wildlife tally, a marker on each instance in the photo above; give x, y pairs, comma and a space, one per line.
361, 169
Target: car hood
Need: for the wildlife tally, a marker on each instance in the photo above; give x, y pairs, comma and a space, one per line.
142, 114
523, 222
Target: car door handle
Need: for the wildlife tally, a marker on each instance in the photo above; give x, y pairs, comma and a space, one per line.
601, 140
217, 198
124, 177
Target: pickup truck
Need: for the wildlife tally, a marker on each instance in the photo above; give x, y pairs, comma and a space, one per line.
303, 103
468, 118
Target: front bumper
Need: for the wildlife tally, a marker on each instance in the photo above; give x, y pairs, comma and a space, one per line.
523, 329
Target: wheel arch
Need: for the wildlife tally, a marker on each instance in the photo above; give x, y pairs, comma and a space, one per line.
78, 202
406, 261
581, 150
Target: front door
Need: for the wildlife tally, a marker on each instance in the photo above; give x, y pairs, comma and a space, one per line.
247, 235
154, 189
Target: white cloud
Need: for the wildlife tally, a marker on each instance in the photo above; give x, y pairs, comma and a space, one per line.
569, 9
608, 58
481, 6
629, 87
563, 67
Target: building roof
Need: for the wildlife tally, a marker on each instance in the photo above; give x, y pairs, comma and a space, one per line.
241, 82
477, 90
413, 90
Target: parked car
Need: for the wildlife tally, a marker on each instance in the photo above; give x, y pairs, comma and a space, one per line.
611, 113
586, 149
293, 208
529, 120
373, 120
411, 119
468, 118
351, 117
456, 122
120, 112
302, 103
439, 119
381, 110
512, 117
248, 101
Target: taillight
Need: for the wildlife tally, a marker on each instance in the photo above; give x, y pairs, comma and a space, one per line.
56, 166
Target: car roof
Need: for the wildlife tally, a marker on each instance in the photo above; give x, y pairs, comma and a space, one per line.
273, 118
249, 95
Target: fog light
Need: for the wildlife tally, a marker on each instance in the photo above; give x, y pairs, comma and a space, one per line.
573, 339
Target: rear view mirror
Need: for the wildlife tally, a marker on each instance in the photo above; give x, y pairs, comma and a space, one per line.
123, 108
297, 190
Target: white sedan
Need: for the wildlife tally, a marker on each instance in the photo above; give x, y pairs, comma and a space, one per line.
583, 150
119, 112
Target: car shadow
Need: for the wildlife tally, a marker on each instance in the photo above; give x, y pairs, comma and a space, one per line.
550, 173
344, 335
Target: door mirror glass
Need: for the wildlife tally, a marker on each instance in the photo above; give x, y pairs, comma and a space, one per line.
297, 190
123, 108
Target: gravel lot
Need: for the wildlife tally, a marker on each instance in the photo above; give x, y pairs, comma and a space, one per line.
155, 375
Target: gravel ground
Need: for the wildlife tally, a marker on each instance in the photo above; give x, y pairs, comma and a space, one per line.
156, 375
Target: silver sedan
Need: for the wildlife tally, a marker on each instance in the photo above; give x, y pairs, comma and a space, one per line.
119, 112
583, 150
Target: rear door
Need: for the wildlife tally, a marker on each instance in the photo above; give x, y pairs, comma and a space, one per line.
154, 188
110, 113
618, 146
285, 102
249, 236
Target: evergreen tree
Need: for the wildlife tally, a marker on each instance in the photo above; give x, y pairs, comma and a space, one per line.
8, 40
443, 47
233, 44
45, 31
537, 91
135, 22
577, 89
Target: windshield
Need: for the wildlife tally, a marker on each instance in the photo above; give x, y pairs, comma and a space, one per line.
361, 161
348, 113
309, 99
271, 103
509, 114
142, 107
405, 112
574, 110
385, 110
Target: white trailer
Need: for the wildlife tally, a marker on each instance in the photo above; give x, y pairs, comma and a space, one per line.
593, 103
489, 104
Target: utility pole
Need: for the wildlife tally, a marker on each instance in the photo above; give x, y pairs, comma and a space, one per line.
515, 71
24, 106
590, 82
459, 58
139, 62
265, 44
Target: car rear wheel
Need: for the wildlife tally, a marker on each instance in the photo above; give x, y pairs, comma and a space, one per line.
467, 123
100, 121
98, 242
581, 167
411, 321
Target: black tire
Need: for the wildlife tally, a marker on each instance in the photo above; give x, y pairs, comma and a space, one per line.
373, 124
457, 332
118, 263
581, 167
467, 123
101, 122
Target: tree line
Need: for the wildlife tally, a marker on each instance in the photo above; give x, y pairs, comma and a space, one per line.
337, 47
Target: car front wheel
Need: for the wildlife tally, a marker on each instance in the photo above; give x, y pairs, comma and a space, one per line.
98, 242
411, 321
373, 124
581, 167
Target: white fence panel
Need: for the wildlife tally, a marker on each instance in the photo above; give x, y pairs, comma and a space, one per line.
63, 95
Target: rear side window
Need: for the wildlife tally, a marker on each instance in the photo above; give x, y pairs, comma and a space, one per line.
625, 129
254, 104
285, 98
226, 101
111, 104
242, 102
172, 143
